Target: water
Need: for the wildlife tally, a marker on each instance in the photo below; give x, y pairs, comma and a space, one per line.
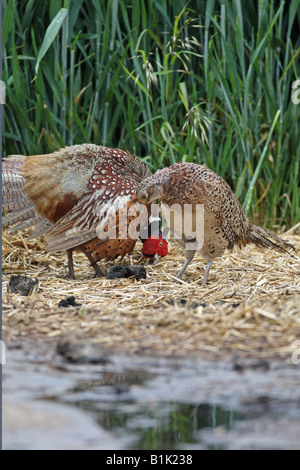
154, 424
148, 403
156, 429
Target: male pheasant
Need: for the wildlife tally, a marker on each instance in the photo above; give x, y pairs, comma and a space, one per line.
79, 197
188, 186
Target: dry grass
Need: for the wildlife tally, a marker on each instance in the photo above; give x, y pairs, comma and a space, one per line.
250, 305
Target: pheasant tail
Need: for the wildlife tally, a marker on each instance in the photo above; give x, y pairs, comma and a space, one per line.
265, 239
22, 210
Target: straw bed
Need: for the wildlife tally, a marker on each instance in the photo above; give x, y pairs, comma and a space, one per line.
250, 305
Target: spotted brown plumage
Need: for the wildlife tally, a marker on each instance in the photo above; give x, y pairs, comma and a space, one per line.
225, 222
74, 195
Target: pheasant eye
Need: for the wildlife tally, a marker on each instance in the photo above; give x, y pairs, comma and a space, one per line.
160, 244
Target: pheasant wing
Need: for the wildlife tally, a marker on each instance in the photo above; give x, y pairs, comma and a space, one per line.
96, 217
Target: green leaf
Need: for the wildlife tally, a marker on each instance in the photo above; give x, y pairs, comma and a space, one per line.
50, 35
7, 22
255, 54
248, 197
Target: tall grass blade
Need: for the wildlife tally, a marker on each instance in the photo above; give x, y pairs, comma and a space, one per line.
51, 34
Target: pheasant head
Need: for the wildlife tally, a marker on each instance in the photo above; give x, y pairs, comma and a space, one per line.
153, 187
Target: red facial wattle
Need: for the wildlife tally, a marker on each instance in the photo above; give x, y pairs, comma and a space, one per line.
155, 244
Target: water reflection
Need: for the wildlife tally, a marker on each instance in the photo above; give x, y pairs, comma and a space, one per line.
179, 426
155, 424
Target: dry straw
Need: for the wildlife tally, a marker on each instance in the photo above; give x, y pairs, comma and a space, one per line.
250, 305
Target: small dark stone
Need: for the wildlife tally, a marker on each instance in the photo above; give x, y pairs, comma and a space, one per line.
181, 302
121, 388
21, 285
138, 271
77, 349
118, 272
69, 302
254, 364
197, 304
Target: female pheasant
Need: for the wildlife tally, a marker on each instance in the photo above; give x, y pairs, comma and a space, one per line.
82, 197
185, 187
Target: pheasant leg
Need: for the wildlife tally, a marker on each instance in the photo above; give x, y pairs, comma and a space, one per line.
70, 264
185, 265
208, 266
98, 271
